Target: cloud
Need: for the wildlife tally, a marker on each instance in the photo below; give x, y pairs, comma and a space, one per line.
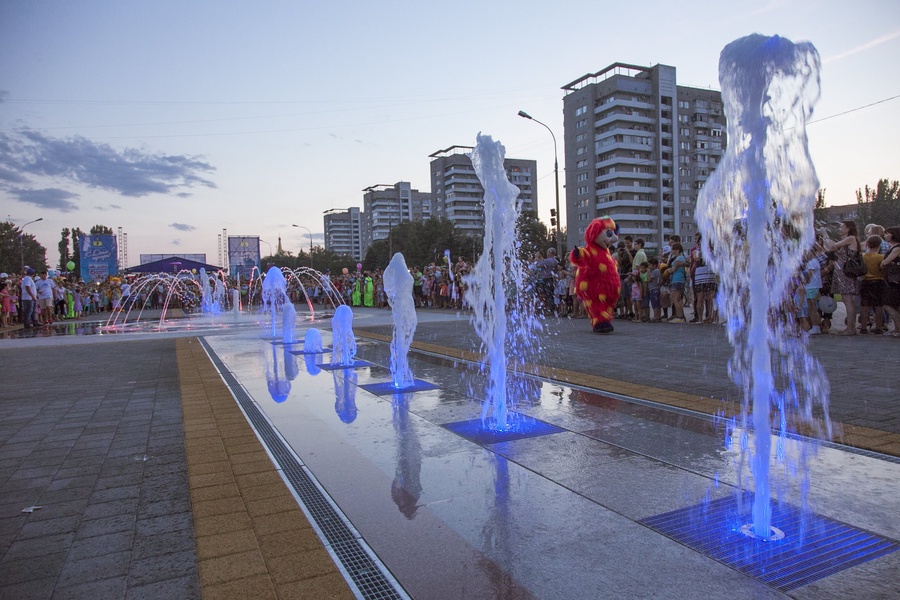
129, 172
50, 198
176, 242
182, 227
863, 47
115, 206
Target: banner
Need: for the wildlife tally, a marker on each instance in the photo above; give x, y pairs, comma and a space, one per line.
99, 257
243, 255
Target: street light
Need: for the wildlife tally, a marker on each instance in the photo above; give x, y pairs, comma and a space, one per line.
22, 239
557, 215
310, 244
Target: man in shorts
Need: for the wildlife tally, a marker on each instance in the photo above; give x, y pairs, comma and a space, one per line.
45, 289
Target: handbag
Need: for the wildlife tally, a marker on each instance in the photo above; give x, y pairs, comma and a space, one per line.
892, 271
853, 266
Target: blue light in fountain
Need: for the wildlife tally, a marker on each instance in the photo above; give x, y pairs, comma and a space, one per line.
502, 315
288, 322
756, 217
398, 287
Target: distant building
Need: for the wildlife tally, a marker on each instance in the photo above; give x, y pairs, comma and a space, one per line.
638, 147
150, 258
844, 212
458, 195
343, 232
386, 206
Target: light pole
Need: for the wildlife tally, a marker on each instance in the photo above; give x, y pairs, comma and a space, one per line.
22, 239
558, 216
310, 244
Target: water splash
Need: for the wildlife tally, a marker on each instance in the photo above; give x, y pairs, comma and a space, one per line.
288, 322
274, 293
398, 287
503, 318
312, 341
756, 217
343, 345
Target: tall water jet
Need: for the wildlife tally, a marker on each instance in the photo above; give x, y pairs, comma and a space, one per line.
398, 287
343, 345
756, 217
500, 313
274, 293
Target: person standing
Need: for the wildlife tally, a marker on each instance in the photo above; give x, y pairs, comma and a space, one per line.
891, 268
45, 292
848, 287
547, 272
29, 297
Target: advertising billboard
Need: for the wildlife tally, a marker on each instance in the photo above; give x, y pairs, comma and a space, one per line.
99, 257
243, 255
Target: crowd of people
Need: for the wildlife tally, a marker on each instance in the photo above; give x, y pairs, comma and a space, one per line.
864, 272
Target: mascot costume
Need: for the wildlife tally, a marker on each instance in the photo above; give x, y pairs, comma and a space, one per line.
597, 280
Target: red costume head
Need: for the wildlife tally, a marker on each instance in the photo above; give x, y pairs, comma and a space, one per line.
603, 232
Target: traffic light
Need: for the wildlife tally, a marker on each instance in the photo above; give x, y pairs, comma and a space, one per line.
552, 222
553, 217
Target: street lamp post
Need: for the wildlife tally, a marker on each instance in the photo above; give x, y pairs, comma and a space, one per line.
310, 244
22, 239
559, 248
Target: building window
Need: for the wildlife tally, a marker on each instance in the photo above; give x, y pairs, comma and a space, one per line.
580, 151
684, 119
581, 163
716, 132
580, 110
582, 190
684, 104
685, 131
579, 137
581, 177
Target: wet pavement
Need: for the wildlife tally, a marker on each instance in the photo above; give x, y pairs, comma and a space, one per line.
548, 516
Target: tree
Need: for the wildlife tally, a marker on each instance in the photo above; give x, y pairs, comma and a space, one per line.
101, 230
880, 205
820, 213
17, 249
76, 249
64, 252
533, 236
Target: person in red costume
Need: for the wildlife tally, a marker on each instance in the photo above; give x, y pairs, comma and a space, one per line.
597, 280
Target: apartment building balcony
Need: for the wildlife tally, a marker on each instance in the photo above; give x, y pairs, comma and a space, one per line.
625, 203
628, 189
621, 102
624, 118
625, 173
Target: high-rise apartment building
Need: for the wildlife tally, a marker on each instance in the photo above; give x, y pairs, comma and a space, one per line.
458, 195
638, 148
386, 206
343, 232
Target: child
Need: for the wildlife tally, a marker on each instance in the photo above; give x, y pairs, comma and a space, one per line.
6, 297
644, 270
654, 281
872, 287
635, 280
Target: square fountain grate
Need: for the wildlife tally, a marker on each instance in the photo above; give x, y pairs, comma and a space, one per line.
299, 351
356, 364
520, 427
386, 388
813, 547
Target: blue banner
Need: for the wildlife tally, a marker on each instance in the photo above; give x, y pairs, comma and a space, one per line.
99, 257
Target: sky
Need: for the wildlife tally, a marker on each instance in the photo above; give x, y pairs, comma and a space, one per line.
175, 120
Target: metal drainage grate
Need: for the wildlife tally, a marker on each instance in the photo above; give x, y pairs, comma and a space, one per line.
387, 388
814, 547
520, 427
361, 567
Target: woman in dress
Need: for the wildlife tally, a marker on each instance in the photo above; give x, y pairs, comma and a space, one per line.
890, 265
847, 287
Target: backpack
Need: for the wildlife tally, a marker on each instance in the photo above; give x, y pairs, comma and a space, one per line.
854, 266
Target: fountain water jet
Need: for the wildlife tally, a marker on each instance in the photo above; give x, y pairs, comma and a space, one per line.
502, 316
756, 217
398, 286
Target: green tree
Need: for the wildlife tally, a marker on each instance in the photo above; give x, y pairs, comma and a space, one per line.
17, 249
101, 230
533, 236
64, 252
820, 213
77, 234
880, 205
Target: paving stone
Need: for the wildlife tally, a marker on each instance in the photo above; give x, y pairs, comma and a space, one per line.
112, 587
182, 588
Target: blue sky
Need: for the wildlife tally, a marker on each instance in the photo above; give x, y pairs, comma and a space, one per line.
177, 119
